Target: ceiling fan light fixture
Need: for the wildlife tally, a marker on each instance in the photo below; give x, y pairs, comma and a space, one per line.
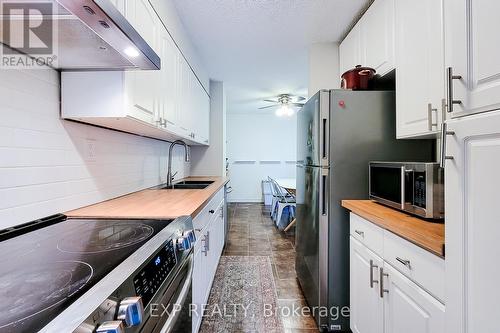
284, 110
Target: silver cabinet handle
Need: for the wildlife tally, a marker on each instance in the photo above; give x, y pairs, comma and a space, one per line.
206, 246
372, 281
161, 122
405, 262
430, 124
449, 95
444, 133
382, 275
361, 233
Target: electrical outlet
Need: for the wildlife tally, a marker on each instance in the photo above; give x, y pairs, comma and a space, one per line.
90, 150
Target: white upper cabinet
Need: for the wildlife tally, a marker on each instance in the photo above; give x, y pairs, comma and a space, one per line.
420, 88
472, 228
350, 50
144, 19
472, 52
167, 104
371, 41
377, 36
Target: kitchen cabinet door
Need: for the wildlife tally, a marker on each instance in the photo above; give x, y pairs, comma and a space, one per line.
143, 86
367, 308
199, 286
219, 231
169, 84
409, 308
143, 95
143, 18
205, 116
472, 228
377, 36
350, 50
472, 51
182, 95
420, 88
202, 110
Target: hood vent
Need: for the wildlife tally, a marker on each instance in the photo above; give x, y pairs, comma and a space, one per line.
86, 35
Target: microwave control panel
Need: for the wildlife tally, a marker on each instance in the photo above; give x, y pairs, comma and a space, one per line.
419, 190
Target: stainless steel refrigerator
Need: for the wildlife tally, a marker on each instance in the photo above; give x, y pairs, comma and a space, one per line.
339, 132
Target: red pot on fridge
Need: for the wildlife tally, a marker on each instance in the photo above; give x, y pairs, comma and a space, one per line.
357, 78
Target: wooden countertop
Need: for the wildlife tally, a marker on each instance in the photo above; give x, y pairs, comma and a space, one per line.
427, 235
154, 204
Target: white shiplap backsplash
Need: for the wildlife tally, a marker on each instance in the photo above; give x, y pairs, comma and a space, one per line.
46, 165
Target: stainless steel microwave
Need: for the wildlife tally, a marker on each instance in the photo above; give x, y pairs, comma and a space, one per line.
413, 187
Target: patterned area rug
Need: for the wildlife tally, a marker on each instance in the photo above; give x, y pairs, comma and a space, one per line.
243, 297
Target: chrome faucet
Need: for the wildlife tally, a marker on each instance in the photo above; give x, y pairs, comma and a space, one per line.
170, 177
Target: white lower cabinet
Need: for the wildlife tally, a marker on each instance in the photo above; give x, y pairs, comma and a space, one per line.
409, 308
209, 230
367, 308
384, 300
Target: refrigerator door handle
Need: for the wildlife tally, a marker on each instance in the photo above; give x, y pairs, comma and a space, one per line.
324, 114
323, 194
324, 140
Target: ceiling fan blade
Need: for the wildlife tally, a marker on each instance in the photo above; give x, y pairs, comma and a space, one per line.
269, 106
271, 100
297, 104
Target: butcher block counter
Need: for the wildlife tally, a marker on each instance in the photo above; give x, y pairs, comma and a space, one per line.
427, 235
154, 203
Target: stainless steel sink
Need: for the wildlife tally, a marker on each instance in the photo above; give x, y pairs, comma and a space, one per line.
186, 185
195, 182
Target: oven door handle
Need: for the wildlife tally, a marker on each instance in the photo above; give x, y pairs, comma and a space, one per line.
172, 319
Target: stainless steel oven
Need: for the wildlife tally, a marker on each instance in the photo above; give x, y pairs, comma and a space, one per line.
413, 187
149, 290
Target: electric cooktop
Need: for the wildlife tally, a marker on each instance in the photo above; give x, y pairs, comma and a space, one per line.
43, 271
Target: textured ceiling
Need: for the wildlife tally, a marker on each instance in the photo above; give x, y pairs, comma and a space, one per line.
259, 48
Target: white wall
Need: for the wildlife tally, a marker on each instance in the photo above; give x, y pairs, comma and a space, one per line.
323, 67
259, 139
45, 166
211, 160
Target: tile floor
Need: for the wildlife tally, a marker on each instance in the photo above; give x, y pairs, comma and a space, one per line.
252, 233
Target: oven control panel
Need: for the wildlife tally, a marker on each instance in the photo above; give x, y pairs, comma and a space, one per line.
150, 278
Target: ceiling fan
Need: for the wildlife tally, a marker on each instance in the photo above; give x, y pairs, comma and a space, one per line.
285, 102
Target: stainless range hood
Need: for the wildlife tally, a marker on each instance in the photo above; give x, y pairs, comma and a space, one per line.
89, 35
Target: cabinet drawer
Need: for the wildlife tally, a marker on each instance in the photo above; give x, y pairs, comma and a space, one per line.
367, 233
204, 216
424, 268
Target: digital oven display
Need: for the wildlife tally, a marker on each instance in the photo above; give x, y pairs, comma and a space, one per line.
152, 276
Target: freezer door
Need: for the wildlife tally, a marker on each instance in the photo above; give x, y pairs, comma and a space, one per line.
312, 235
313, 131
